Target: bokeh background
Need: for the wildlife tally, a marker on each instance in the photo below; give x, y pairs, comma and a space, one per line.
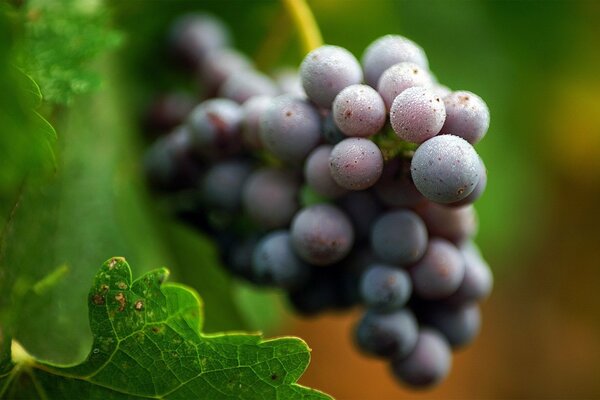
536, 64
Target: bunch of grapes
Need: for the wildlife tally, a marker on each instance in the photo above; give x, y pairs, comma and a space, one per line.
345, 183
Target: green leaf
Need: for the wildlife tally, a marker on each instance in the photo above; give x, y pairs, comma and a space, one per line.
148, 344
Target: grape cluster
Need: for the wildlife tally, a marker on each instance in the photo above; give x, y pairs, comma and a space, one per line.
345, 183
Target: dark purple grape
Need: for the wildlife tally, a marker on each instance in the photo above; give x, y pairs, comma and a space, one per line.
478, 280
400, 77
399, 237
428, 363
459, 325
168, 111
316, 295
327, 70
219, 65
358, 110
417, 115
440, 272
290, 128
322, 234
356, 163
467, 116
396, 188
385, 287
215, 128
445, 168
387, 335
253, 108
274, 262
221, 186
331, 133
455, 224
387, 51
270, 197
477, 192
317, 174
193, 36
243, 85
363, 209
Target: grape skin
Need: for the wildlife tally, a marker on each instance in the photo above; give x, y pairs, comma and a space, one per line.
356, 163
455, 224
417, 115
222, 184
245, 84
467, 116
194, 35
387, 335
253, 108
322, 234
445, 168
459, 325
358, 110
219, 65
396, 188
290, 128
478, 280
327, 70
331, 133
400, 77
479, 188
387, 51
385, 287
363, 209
399, 237
429, 362
318, 175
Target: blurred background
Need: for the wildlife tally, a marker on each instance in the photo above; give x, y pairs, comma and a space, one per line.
535, 63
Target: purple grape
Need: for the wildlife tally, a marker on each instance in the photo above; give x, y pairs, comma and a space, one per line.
478, 280
356, 163
222, 184
459, 325
400, 77
290, 128
168, 111
215, 128
417, 115
253, 108
327, 70
358, 110
288, 81
445, 168
387, 51
363, 209
479, 188
270, 197
318, 175
219, 65
193, 36
467, 116
331, 133
428, 363
387, 335
243, 85
441, 90
440, 272
399, 237
396, 188
385, 287
322, 234
275, 264
455, 224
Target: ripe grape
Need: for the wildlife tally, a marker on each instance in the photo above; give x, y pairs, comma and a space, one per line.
253, 108
331, 133
274, 262
219, 65
400, 77
392, 334
385, 287
194, 35
221, 186
318, 175
452, 223
356, 163
478, 280
358, 110
459, 325
245, 84
417, 115
467, 116
479, 188
399, 237
396, 188
363, 209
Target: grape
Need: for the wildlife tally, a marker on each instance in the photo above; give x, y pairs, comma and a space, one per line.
478, 280
441, 90
192, 36
460, 325
288, 81
467, 116
242, 85
322, 234
400, 77
169, 164
440, 272
479, 188
445, 168
331, 133
222, 184
219, 65
316, 295
270, 197
358, 110
168, 111
253, 108
385, 287
452, 223
399, 237
274, 262
391, 334
427, 364
363, 209
356, 163
215, 128
387, 51
317, 174
290, 128
417, 114
395, 188
327, 70
237, 257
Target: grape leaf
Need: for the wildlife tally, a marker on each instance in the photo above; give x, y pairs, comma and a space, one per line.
148, 344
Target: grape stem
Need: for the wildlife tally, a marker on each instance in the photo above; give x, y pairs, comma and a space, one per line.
300, 13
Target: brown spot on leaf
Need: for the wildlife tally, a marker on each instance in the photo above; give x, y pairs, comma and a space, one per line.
98, 300
120, 297
139, 305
